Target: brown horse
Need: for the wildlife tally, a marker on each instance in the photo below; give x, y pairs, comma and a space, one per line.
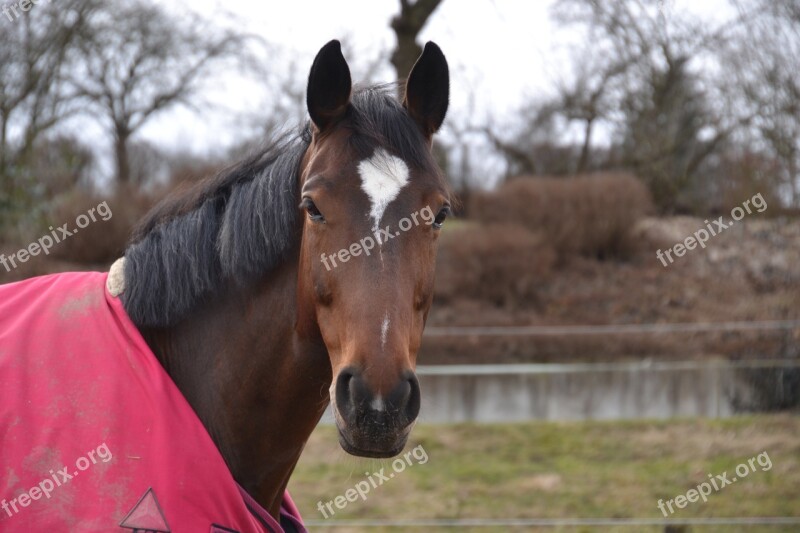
303, 275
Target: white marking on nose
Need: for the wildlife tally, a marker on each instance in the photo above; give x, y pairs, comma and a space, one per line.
384, 330
382, 177
377, 404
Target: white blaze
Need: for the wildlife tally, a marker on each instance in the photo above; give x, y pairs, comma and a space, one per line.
384, 330
382, 177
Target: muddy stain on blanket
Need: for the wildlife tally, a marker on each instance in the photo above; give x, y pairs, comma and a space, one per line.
81, 305
45, 357
12, 480
82, 404
71, 316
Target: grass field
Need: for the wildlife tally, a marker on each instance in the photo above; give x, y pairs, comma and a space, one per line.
564, 470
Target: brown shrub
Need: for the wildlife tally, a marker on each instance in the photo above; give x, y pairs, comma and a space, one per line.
590, 215
101, 241
503, 265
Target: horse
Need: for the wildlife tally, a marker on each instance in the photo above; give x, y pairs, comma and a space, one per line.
300, 277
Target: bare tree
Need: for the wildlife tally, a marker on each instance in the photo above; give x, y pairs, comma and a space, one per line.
35, 52
649, 87
139, 60
593, 95
662, 139
531, 146
765, 60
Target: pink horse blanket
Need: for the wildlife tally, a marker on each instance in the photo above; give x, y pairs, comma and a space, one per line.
94, 435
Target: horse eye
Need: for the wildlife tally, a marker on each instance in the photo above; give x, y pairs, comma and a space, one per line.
438, 222
311, 209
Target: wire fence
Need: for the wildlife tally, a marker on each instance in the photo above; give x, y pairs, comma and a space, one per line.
611, 329
621, 366
558, 522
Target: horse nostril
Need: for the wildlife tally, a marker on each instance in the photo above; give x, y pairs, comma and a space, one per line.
357, 404
414, 396
404, 400
344, 401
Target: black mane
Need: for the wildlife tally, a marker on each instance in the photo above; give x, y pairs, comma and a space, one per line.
244, 222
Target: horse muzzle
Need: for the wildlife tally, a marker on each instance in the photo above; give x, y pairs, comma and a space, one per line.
371, 424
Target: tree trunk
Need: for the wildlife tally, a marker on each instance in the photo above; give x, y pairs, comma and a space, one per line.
407, 25
587, 142
121, 153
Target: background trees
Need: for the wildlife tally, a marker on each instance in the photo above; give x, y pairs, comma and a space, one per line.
137, 61
700, 112
36, 55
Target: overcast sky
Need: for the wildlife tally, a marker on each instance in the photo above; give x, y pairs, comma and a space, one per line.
501, 53
496, 49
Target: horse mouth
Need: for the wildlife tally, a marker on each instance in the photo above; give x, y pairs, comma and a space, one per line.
373, 444
371, 453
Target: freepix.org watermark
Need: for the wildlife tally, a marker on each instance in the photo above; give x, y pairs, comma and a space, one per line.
715, 482
380, 236
701, 236
56, 236
373, 481
57, 478
13, 10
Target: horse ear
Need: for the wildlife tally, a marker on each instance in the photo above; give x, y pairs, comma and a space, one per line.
329, 86
428, 89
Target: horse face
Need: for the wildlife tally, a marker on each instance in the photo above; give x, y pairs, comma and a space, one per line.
372, 219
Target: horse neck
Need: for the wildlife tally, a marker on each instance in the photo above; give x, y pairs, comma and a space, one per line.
258, 386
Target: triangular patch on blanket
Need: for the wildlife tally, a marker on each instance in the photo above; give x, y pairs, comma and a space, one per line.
146, 515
